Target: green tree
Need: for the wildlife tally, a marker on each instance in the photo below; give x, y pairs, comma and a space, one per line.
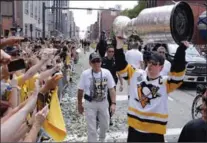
132, 13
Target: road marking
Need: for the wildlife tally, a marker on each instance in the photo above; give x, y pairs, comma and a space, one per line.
120, 136
169, 98
173, 131
125, 97
121, 97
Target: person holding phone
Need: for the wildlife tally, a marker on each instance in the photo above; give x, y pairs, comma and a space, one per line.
11, 41
4, 57
15, 120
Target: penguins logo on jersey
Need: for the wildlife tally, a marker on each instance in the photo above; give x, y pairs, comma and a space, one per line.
146, 92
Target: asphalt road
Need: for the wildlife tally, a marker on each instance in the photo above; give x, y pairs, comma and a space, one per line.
180, 102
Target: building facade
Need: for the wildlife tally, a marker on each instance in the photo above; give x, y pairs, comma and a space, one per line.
106, 21
32, 18
25, 14
6, 16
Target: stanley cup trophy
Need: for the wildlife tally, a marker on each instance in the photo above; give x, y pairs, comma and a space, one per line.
168, 24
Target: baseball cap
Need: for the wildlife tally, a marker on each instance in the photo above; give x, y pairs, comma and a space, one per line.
157, 58
94, 56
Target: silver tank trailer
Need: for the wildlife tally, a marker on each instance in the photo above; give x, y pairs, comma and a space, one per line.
169, 24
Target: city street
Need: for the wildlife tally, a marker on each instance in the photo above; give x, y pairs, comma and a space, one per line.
180, 102
46, 49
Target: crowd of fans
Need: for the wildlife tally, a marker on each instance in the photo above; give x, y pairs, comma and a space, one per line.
31, 71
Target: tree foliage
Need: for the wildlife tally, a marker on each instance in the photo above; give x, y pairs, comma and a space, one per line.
132, 13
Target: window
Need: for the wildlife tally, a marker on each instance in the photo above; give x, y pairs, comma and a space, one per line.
6, 8
26, 9
35, 12
39, 11
31, 8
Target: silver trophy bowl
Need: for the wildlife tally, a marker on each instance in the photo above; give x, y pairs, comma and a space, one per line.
119, 26
168, 24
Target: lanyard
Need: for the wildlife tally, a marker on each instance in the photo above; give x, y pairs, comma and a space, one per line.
94, 81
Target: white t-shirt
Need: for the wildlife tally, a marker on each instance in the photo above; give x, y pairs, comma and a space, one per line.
96, 84
166, 68
134, 57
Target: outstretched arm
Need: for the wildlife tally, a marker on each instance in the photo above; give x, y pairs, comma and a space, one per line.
177, 71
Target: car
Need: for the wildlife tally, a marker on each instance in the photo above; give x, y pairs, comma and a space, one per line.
196, 67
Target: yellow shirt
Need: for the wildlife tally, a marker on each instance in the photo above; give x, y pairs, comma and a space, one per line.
67, 60
27, 86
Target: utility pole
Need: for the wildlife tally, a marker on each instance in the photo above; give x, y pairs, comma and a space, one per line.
77, 8
13, 13
43, 20
70, 30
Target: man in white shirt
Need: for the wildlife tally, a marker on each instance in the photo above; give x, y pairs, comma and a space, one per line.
167, 65
134, 57
94, 84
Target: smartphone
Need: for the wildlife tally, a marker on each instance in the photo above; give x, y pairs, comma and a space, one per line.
41, 102
16, 65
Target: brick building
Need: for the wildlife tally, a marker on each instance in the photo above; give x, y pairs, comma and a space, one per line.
94, 31
197, 7
7, 17
106, 21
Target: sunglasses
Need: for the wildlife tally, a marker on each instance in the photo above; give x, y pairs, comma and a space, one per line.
96, 61
153, 63
161, 52
111, 51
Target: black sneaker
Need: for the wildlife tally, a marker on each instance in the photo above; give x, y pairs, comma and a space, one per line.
111, 123
71, 80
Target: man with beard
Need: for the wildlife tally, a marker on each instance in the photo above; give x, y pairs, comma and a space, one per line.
102, 45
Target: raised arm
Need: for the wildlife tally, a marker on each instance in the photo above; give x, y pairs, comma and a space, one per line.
122, 67
44, 75
16, 120
177, 71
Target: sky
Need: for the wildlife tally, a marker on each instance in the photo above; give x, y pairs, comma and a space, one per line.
82, 19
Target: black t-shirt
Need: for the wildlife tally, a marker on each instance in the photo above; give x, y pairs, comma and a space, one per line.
111, 66
194, 131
